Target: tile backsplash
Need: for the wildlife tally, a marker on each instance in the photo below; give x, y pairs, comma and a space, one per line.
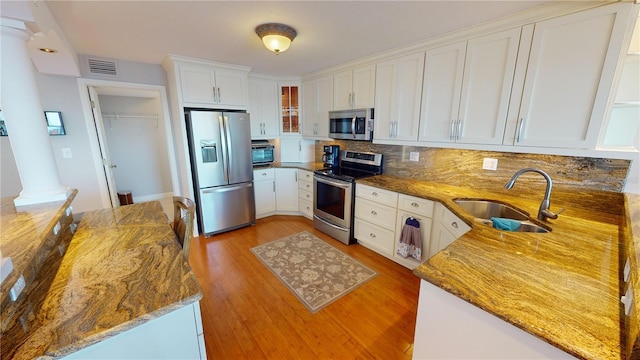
464, 167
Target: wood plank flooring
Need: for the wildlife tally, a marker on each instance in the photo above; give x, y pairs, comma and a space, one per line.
247, 313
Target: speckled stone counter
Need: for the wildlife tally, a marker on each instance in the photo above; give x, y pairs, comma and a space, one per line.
563, 286
309, 166
123, 267
26, 236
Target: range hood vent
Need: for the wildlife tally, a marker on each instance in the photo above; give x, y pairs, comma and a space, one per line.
102, 67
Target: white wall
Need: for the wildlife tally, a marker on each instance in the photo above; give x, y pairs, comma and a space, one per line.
60, 93
137, 145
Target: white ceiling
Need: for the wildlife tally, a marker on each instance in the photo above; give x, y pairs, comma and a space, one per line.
329, 32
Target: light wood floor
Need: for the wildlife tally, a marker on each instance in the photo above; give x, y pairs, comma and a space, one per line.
248, 313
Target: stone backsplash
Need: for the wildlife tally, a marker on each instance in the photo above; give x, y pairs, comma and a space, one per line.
464, 168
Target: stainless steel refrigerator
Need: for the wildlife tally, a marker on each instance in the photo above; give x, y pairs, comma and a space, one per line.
220, 149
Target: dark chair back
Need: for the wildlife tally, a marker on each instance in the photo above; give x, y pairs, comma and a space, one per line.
183, 214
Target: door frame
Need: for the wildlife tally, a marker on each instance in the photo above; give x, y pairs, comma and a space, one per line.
124, 87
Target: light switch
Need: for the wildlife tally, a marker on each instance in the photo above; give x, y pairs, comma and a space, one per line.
66, 153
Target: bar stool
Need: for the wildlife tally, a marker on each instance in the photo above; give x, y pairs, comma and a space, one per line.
183, 214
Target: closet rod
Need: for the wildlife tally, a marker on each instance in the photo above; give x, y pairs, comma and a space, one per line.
125, 115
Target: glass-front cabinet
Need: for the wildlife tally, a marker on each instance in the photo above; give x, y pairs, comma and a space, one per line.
290, 108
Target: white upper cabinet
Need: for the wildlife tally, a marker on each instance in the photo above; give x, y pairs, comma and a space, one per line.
569, 77
263, 108
441, 90
317, 101
398, 93
210, 86
354, 88
466, 89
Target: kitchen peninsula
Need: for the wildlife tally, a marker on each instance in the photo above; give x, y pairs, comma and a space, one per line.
118, 287
562, 287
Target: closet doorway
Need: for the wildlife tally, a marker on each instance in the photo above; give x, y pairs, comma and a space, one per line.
132, 141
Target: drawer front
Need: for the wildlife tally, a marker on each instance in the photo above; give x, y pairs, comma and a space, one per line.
374, 237
305, 195
304, 175
415, 205
263, 174
305, 185
306, 208
381, 215
381, 196
453, 224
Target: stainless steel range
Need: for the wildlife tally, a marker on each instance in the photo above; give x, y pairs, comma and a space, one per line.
334, 187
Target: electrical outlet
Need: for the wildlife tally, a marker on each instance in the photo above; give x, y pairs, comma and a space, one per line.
490, 164
414, 156
17, 288
66, 153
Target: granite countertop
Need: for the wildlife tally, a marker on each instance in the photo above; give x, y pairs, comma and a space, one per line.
309, 166
24, 235
562, 286
123, 267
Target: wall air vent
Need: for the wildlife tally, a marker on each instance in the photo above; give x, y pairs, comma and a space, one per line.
102, 67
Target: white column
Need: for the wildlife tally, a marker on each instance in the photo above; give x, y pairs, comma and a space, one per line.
24, 119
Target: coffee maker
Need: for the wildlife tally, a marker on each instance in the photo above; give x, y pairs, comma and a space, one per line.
331, 156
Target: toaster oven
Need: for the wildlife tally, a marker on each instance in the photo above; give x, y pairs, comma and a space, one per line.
262, 153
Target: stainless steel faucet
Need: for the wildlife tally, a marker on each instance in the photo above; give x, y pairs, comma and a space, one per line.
543, 213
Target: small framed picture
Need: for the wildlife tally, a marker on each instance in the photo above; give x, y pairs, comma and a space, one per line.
3, 127
54, 122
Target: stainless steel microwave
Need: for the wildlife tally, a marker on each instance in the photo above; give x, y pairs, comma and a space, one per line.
356, 124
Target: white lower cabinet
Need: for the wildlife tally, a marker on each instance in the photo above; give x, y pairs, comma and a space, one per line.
380, 216
176, 335
447, 227
444, 321
305, 193
375, 214
286, 196
422, 211
264, 187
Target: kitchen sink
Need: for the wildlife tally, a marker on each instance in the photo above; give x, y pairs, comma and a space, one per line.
484, 210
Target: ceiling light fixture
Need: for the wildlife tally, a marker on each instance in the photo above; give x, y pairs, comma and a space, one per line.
276, 37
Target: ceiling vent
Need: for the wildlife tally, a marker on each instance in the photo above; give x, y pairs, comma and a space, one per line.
102, 67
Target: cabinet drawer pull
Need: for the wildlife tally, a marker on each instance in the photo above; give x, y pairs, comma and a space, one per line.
454, 225
373, 212
415, 204
372, 235
374, 194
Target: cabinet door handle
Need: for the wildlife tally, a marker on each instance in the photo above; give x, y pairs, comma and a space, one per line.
373, 212
391, 129
454, 225
274, 186
374, 194
519, 132
451, 129
459, 131
415, 204
219, 96
372, 235
215, 99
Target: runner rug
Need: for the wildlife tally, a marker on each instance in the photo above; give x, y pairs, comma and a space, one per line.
316, 272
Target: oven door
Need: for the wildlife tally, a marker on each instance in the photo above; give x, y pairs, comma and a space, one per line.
333, 200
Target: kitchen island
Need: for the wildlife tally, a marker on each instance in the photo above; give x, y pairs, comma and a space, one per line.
562, 287
120, 288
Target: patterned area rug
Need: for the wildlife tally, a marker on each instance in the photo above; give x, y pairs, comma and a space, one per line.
316, 272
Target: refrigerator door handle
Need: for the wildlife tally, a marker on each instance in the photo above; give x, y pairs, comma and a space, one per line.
225, 188
224, 136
